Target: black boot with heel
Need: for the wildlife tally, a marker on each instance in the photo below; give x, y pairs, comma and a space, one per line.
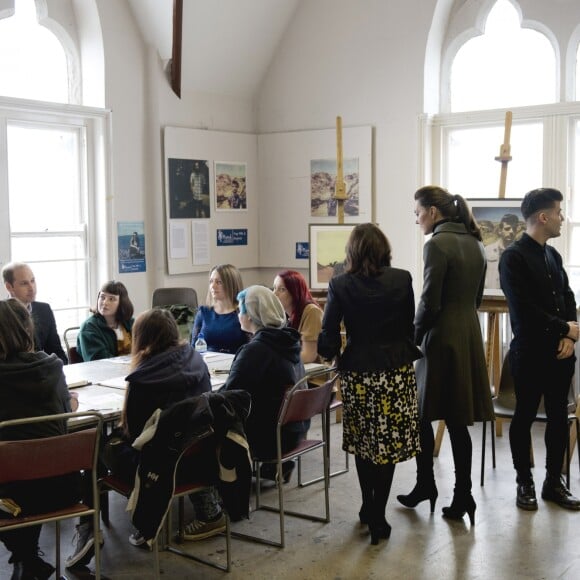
461, 505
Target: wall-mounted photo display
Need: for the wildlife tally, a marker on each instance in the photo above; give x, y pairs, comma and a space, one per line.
327, 252
131, 247
230, 186
501, 224
189, 188
323, 186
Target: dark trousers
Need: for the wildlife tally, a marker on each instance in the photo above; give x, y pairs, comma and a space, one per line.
534, 377
36, 497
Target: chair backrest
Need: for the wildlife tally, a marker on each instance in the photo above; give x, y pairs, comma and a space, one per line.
507, 392
301, 404
30, 459
168, 296
70, 337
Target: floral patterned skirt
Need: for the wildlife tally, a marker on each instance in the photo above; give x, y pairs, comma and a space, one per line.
380, 417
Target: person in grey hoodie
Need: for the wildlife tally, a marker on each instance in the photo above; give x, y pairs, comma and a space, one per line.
32, 384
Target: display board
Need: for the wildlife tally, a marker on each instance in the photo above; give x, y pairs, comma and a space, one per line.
296, 181
211, 195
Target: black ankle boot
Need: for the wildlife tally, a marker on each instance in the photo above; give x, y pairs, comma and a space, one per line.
35, 567
421, 492
461, 505
379, 529
18, 572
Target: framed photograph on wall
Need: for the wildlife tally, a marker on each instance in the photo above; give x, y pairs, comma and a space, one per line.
327, 252
230, 186
188, 188
501, 224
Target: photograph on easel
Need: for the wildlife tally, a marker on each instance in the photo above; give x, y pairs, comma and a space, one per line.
501, 224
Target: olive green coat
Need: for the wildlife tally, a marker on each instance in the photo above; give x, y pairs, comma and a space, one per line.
452, 377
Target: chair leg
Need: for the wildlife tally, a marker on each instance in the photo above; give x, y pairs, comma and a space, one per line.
104, 502
493, 444
340, 471
483, 433
57, 545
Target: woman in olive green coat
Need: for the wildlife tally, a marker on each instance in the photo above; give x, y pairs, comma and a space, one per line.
452, 377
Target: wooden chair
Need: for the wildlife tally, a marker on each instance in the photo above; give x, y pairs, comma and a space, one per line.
167, 296
71, 349
33, 459
181, 490
504, 405
299, 404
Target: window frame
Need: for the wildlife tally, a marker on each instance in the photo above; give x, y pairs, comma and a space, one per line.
558, 145
95, 164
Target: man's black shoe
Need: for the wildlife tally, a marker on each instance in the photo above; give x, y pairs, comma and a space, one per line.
526, 496
554, 489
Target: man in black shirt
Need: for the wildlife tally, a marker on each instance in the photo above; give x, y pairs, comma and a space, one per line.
544, 322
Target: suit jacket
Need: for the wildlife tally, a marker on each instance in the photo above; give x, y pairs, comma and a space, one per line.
378, 317
46, 337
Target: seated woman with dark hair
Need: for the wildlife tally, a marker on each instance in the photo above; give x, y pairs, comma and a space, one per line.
32, 384
266, 367
165, 370
107, 332
303, 312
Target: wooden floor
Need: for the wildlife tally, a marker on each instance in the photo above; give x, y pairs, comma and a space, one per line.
506, 543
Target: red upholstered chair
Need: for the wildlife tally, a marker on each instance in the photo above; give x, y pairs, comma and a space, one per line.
335, 406
181, 490
33, 459
299, 404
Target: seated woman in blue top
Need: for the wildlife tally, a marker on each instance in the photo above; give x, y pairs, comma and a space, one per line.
219, 322
107, 332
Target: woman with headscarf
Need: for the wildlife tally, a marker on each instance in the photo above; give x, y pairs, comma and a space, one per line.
266, 367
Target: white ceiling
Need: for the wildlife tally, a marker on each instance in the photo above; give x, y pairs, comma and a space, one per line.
227, 44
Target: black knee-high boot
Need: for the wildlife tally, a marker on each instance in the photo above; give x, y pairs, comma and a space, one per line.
425, 487
364, 470
382, 481
463, 501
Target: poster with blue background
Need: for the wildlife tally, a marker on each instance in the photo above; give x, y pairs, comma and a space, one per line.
131, 244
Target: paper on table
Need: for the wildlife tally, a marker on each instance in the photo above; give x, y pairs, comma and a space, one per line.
125, 359
115, 383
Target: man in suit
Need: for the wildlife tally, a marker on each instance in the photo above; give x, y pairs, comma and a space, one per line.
21, 284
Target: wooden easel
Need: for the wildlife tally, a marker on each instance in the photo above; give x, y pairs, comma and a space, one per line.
340, 197
493, 306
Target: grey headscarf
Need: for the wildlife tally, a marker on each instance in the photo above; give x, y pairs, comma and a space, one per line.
262, 306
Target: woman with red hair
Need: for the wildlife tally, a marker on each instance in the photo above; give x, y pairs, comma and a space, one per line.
303, 312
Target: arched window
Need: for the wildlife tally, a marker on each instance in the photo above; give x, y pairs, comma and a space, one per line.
52, 166
500, 56
33, 63
507, 66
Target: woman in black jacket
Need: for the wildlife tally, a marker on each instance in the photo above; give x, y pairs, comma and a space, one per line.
266, 367
32, 384
380, 424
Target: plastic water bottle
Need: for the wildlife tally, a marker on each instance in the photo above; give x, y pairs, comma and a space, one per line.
200, 344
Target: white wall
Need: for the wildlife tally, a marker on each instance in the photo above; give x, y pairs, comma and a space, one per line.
363, 61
